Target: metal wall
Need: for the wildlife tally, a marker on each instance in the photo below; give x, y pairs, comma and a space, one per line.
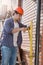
30, 13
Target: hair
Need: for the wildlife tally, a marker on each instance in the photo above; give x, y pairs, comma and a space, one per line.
15, 12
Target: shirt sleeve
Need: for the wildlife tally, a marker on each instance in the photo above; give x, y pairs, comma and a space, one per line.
8, 26
22, 25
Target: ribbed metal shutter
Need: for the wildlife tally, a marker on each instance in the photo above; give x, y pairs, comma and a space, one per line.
41, 33
30, 12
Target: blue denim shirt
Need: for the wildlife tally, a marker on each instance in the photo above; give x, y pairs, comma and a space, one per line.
7, 36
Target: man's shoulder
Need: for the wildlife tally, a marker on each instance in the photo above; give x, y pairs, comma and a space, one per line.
9, 19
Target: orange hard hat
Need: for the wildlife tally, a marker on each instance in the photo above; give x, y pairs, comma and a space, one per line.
19, 10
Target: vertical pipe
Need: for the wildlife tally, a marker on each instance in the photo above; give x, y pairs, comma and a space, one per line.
20, 3
37, 32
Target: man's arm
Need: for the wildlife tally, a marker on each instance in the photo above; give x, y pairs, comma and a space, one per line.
9, 29
22, 25
25, 26
18, 30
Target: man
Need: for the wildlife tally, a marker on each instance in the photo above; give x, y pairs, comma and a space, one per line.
10, 37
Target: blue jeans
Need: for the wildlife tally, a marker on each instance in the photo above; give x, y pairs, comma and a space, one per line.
9, 55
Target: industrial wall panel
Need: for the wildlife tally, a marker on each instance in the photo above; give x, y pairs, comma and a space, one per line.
30, 13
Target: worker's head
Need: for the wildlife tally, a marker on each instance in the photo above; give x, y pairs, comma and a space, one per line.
18, 12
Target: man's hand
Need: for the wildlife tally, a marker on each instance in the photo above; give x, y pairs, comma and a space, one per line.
28, 27
19, 29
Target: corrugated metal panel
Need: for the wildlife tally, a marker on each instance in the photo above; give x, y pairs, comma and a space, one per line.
41, 32
30, 12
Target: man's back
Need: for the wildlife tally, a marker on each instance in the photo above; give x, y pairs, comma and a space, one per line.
7, 36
